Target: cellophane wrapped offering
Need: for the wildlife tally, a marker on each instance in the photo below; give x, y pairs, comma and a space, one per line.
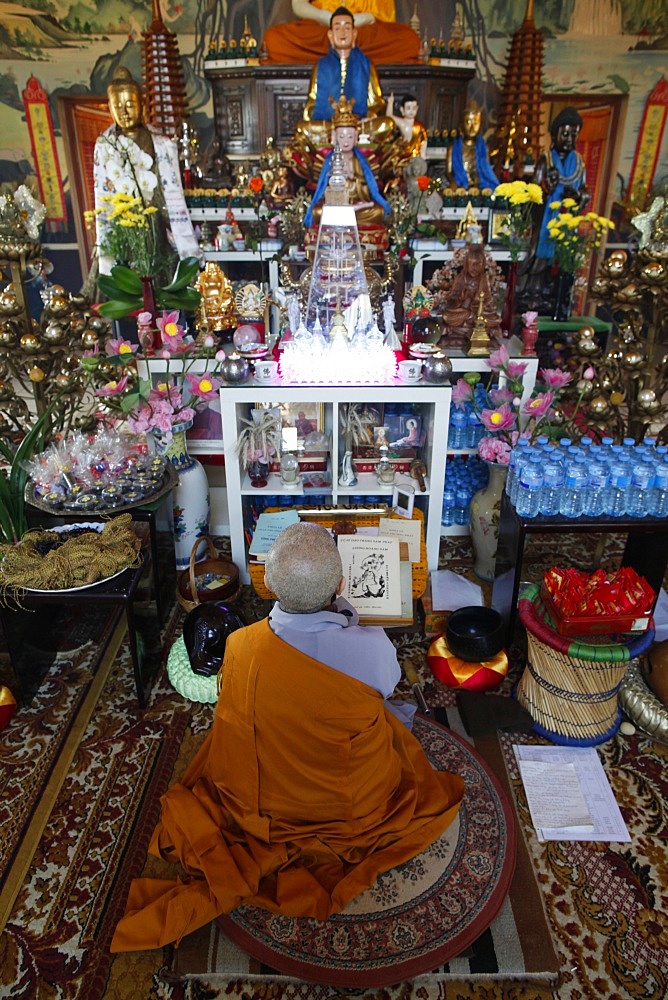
581, 603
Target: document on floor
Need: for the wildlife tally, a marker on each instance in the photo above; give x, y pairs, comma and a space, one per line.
569, 794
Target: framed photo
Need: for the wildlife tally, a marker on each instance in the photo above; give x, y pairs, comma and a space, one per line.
381, 436
306, 417
404, 430
497, 225
403, 500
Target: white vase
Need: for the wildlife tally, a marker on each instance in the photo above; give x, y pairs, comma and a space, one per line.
484, 517
191, 504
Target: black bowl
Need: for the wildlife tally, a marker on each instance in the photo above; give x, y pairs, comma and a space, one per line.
474, 633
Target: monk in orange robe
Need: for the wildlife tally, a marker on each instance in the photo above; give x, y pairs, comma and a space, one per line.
308, 786
380, 36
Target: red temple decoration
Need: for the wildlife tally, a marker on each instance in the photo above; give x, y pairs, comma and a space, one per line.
164, 91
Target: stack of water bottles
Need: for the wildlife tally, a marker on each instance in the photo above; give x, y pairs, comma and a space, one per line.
465, 429
463, 478
586, 479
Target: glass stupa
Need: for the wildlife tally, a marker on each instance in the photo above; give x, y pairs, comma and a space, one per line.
339, 341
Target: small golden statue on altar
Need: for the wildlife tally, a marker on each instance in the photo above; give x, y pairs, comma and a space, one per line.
217, 309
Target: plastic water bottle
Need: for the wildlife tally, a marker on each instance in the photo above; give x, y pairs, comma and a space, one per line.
593, 496
521, 445
457, 429
474, 430
550, 493
572, 493
523, 457
530, 484
614, 496
461, 508
658, 495
448, 513
637, 494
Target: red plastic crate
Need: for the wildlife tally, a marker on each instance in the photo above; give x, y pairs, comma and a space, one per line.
595, 624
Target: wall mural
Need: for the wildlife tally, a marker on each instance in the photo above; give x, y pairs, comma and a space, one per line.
598, 47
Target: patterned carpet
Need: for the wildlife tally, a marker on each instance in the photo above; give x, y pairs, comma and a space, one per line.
607, 905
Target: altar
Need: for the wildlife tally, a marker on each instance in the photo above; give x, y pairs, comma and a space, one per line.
252, 103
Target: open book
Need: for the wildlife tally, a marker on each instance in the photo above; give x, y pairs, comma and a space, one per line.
378, 583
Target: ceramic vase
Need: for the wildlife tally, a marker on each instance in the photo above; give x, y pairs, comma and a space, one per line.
485, 512
564, 288
191, 504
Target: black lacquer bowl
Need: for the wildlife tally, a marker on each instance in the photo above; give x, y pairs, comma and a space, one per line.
474, 633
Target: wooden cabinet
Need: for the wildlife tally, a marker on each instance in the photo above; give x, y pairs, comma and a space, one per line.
251, 103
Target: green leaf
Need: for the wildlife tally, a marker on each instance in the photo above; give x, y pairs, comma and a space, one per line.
126, 279
185, 272
118, 308
188, 299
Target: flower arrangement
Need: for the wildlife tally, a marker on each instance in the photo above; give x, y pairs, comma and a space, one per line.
180, 394
520, 198
500, 408
128, 229
575, 236
427, 230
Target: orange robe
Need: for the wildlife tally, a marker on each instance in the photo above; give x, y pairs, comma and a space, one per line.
304, 791
386, 41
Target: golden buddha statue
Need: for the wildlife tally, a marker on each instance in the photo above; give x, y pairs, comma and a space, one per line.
217, 309
467, 162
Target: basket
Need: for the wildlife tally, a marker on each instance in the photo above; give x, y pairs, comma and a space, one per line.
570, 687
189, 594
420, 570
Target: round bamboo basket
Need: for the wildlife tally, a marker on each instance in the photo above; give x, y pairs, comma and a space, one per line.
570, 688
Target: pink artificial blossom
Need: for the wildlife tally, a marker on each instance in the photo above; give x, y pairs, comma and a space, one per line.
502, 419
462, 393
113, 388
171, 332
203, 386
498, 360
516, 369
529, 317
538, 406
493, 449
500, 395
589, 373
554, 378
120, 346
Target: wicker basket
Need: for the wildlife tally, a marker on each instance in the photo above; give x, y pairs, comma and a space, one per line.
187, 592
569, 687
420, 570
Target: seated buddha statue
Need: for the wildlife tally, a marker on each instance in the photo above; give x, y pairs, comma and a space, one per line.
470, 296
467, 163
361, 185
381, 36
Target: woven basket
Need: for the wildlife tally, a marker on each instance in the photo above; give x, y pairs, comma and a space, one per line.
570, 688
420, 570
187, 592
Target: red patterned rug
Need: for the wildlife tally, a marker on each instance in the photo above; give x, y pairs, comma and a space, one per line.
415, 917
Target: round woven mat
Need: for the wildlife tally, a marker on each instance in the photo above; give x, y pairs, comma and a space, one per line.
415, 917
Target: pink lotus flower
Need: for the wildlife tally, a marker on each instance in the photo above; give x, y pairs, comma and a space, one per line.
120, 346
502, 419
501, 395
113, 388
203, 386
171, 332
554, 378
538, 406
498, 360
462, 393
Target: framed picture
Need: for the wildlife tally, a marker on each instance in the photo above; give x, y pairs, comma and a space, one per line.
497, 224
403, 500
404, 430
381, 436
306, 417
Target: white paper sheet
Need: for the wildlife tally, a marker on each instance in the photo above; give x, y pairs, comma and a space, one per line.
601, 807
449, 591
